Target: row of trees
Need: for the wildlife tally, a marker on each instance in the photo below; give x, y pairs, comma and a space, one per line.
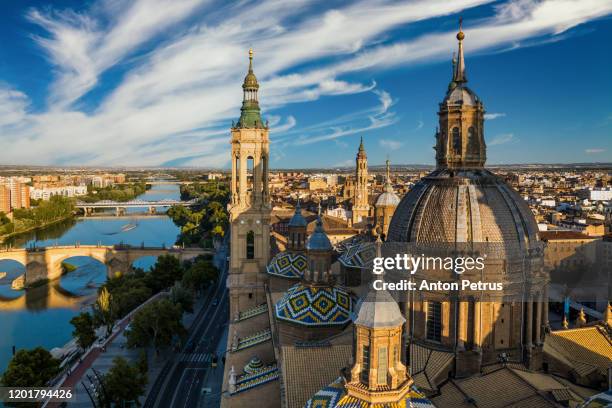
157, 324
209, 220
117, 192
56, 208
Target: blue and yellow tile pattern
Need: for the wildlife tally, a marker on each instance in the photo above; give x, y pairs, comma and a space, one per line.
315, 305
291, 265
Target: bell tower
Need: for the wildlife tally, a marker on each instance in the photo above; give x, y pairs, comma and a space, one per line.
460, 138
250, 202
361, 206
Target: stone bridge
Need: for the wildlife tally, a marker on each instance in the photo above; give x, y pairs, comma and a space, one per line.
46, 262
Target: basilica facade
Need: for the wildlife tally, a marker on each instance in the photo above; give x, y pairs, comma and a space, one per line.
306, 330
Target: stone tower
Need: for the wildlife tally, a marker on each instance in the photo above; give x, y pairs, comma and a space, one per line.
250, 201
460, 137
361, 207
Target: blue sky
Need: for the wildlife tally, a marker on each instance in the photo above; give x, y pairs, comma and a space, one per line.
157, 82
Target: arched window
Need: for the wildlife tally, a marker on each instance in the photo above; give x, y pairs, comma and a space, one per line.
264, 173
237, 181
456, 141
250, 245
249, 169
434, 320
472, 146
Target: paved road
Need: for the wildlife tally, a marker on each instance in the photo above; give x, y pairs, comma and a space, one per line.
180, 383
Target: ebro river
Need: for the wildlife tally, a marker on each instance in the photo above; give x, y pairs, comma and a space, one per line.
41, 316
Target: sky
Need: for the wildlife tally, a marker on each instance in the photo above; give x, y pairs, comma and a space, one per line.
158, 82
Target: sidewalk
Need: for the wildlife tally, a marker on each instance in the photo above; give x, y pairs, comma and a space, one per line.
116, 346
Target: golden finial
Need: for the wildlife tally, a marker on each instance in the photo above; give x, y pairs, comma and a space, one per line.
581, 320
565, 323
251, 53
460, 35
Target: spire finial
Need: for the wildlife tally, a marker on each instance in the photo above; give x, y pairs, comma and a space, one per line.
388, 171
459, 63
251, 59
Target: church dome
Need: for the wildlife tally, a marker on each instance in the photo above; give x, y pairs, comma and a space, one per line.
464, 206
287, 264
461, 95
314, 306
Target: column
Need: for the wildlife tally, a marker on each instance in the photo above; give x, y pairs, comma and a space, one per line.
529, 328
462, 325
242, 175
234, 158
477, 319
545, 321
538, 339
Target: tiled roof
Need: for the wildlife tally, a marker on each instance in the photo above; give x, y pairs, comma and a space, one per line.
334, 396
563, 234
358, 255
587, 349
291, 265
315, 306
427, 364
308, 369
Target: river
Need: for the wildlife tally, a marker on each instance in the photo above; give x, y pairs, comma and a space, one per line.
41, 316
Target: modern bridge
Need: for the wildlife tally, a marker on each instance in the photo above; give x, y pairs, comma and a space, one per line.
121, 206
44, 263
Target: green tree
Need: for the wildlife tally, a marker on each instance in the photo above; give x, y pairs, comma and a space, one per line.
84, 330
124, 383
164, 273
30, 368
155, 324
103, 311
180, 295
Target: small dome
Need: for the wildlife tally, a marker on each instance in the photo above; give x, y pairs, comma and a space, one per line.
288, 265
461, 95
319, 241
315, 306
379, 310
250, 81
254, 365
388, 198
298, 219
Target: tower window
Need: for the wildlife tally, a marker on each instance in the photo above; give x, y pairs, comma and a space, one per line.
250, 172
383, 365
472, 145
250, 245
456, 141
365, 372
434, 321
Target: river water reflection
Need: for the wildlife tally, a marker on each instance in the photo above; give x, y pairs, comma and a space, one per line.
41, 316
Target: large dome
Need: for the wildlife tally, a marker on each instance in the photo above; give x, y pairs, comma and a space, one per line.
464, 206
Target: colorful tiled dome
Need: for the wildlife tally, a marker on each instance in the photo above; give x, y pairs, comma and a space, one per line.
291, 265
335, 396
358, 255
315, 306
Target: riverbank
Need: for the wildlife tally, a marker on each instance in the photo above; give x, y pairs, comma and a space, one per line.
35, 228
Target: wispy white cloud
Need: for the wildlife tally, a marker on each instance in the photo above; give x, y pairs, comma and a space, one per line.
503, 139
594, 151
390, 144
491, 116
181, 63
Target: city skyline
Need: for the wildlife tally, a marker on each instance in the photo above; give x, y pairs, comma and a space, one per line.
156, 83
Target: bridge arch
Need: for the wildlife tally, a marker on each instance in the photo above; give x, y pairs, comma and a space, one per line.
10, 270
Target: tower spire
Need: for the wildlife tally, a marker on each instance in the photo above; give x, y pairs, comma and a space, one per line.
388, 172
250, 116
459, 64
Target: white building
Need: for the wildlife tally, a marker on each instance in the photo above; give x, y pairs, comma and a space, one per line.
66, 191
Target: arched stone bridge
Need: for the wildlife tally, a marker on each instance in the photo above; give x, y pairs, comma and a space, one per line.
46, 262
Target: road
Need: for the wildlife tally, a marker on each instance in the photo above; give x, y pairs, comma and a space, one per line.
180, 382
